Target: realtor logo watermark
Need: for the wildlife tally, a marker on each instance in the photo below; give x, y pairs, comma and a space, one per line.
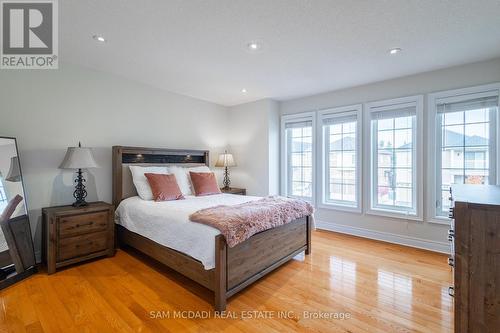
29, 35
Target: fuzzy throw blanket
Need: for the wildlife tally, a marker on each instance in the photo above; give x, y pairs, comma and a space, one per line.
239, 222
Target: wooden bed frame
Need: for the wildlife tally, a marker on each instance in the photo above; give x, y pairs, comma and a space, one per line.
236, 267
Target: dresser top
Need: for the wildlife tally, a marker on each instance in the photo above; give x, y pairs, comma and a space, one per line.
477, 194
92, 206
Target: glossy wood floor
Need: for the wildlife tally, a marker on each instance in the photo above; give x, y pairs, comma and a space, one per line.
362, 285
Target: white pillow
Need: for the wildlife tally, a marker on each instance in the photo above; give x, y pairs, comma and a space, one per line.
141, 182
183, 179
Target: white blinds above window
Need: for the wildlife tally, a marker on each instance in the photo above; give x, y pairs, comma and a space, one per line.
299, 124
339, 119
444, 106
394, 112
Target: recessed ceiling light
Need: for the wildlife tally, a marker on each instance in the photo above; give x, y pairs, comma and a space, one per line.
99, 38
395, 50
243, 90
254, 46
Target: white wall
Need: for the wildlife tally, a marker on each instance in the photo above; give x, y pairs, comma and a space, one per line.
254, 141
49, 110
425, 234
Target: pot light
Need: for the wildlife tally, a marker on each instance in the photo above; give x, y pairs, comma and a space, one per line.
254, 46
99, 38
244, 90
395, 50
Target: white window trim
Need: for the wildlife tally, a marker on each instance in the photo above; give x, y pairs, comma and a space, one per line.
459, 94
310, 116
368, 186
356, 109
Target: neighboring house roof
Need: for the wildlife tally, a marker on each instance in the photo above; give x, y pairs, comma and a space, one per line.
456, 139
349, 144
451, 139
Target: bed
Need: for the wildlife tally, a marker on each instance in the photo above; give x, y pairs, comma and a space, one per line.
195, 250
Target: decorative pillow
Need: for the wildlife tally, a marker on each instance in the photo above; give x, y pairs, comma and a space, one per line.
204, 183
183, 179
141, 183
164, 187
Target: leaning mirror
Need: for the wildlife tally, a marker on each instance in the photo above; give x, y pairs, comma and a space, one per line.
17, 256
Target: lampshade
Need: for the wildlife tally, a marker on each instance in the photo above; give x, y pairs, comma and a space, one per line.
14, 174
225, 160
78, 158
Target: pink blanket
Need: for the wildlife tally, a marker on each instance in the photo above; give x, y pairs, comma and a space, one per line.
239, 222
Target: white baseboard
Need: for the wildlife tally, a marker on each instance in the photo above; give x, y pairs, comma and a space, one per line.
441, 247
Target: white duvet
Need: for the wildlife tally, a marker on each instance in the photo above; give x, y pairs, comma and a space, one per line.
168, 224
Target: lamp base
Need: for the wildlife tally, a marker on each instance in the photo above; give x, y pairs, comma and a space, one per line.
226, 180
81, 203
80, 193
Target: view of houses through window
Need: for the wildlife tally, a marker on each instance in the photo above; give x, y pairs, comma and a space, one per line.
394, 155
461, 148
299, 159
465, 150
340, 143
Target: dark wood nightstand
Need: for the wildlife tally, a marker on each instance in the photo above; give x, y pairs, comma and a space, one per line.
234, 190
71, 235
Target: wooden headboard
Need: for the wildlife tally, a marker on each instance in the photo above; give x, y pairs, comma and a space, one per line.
125, 156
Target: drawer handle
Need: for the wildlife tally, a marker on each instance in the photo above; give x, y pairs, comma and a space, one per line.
85, 224
451, 262
451, 291
451, 232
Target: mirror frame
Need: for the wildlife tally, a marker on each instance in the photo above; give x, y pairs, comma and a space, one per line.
20, 227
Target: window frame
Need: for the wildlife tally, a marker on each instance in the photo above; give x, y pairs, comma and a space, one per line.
462, 94
292, 118
369, 191
3, 193
357, 111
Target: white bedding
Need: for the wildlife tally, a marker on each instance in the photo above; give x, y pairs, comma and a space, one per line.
167, 223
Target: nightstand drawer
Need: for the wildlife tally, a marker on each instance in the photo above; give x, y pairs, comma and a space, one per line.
82, 224
82, 245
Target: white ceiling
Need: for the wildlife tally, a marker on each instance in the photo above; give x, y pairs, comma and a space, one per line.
198, 47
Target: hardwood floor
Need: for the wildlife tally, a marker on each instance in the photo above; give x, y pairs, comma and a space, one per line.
362, 285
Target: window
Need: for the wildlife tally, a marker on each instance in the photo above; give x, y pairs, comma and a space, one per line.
466, 140
341, 163
395, 157
3, 196
298, 156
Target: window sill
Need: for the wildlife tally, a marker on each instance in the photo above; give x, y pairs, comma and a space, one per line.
394, 214
439, 220
343, 208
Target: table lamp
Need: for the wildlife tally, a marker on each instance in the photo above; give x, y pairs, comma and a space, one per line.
79, 158
14, 174
226, 160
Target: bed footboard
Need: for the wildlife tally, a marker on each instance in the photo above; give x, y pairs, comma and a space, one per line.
240, 266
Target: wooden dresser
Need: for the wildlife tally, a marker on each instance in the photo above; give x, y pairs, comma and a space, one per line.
475, 257
71, 235
234, 190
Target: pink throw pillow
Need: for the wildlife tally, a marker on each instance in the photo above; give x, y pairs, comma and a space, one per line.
204, 183
164, 187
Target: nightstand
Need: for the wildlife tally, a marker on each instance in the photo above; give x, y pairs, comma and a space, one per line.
234, 190
74, 234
